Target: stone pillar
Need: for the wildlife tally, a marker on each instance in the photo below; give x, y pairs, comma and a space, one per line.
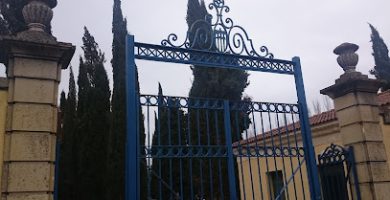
356, 105
34, 60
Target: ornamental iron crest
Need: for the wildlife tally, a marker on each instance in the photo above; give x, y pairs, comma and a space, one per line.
218, 35
333, 154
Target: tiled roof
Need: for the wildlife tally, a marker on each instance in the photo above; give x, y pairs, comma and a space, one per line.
321, 118
384, 98
328, 116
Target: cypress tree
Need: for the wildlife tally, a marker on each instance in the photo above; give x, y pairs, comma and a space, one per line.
216, 83
170, 130
117, 138
68, 112
3, 26
381, 57
94, 122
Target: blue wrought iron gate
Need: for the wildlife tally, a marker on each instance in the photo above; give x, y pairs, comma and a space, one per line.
217, 148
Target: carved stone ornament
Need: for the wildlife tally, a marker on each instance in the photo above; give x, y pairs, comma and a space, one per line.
348, 58
37, 15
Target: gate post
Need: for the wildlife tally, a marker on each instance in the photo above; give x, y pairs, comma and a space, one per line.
228, 135
132, 165
34, 60
356, 105
310, 158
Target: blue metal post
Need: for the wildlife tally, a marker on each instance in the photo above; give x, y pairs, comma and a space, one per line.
311, 164
132, 165
228, 135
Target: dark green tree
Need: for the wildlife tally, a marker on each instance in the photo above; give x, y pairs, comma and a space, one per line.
216, 83
117, 138
93, 122
382, 61
170, 130
69, 120
3, 26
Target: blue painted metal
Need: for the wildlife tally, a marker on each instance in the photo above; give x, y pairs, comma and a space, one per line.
229, 143
311, 165
211, 58
218, 35
344, 157
132, 152
216, 42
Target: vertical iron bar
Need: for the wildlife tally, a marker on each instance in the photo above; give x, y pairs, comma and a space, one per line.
200, 148
160, 105
257, 153
147, 156
273, 147
191, 150
180, 151
298, 156
170, 102
290, 156
209, 159
228, 134
132, 165
311, 165
240, 158
219, 143
284, 173
265, 153
248, 152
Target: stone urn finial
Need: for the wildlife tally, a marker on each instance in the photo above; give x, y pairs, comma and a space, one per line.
348, 58
38, 14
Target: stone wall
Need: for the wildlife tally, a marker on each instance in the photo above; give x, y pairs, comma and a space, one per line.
3, 111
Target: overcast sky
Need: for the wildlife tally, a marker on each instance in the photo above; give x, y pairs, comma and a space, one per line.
306, 28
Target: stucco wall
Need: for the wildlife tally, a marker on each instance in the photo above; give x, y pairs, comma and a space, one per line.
386, 138
3, 110
254, 170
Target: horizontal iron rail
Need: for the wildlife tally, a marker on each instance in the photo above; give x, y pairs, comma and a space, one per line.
212, 59
216, 104
254, 151
186, 151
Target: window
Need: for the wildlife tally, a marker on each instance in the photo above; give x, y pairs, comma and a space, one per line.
276, 185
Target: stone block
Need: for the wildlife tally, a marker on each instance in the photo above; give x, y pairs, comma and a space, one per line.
365, 98
29, 176
380, 171
11, 89
345, 101
31, 146
34, 117
34, 68
369, 113
35, 91
376, 151
361, 132
366, 191
30, 196
369, 152
381, 190
364, 175
349, 116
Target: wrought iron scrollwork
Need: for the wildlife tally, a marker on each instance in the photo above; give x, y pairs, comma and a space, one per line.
218, 35
333, 154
